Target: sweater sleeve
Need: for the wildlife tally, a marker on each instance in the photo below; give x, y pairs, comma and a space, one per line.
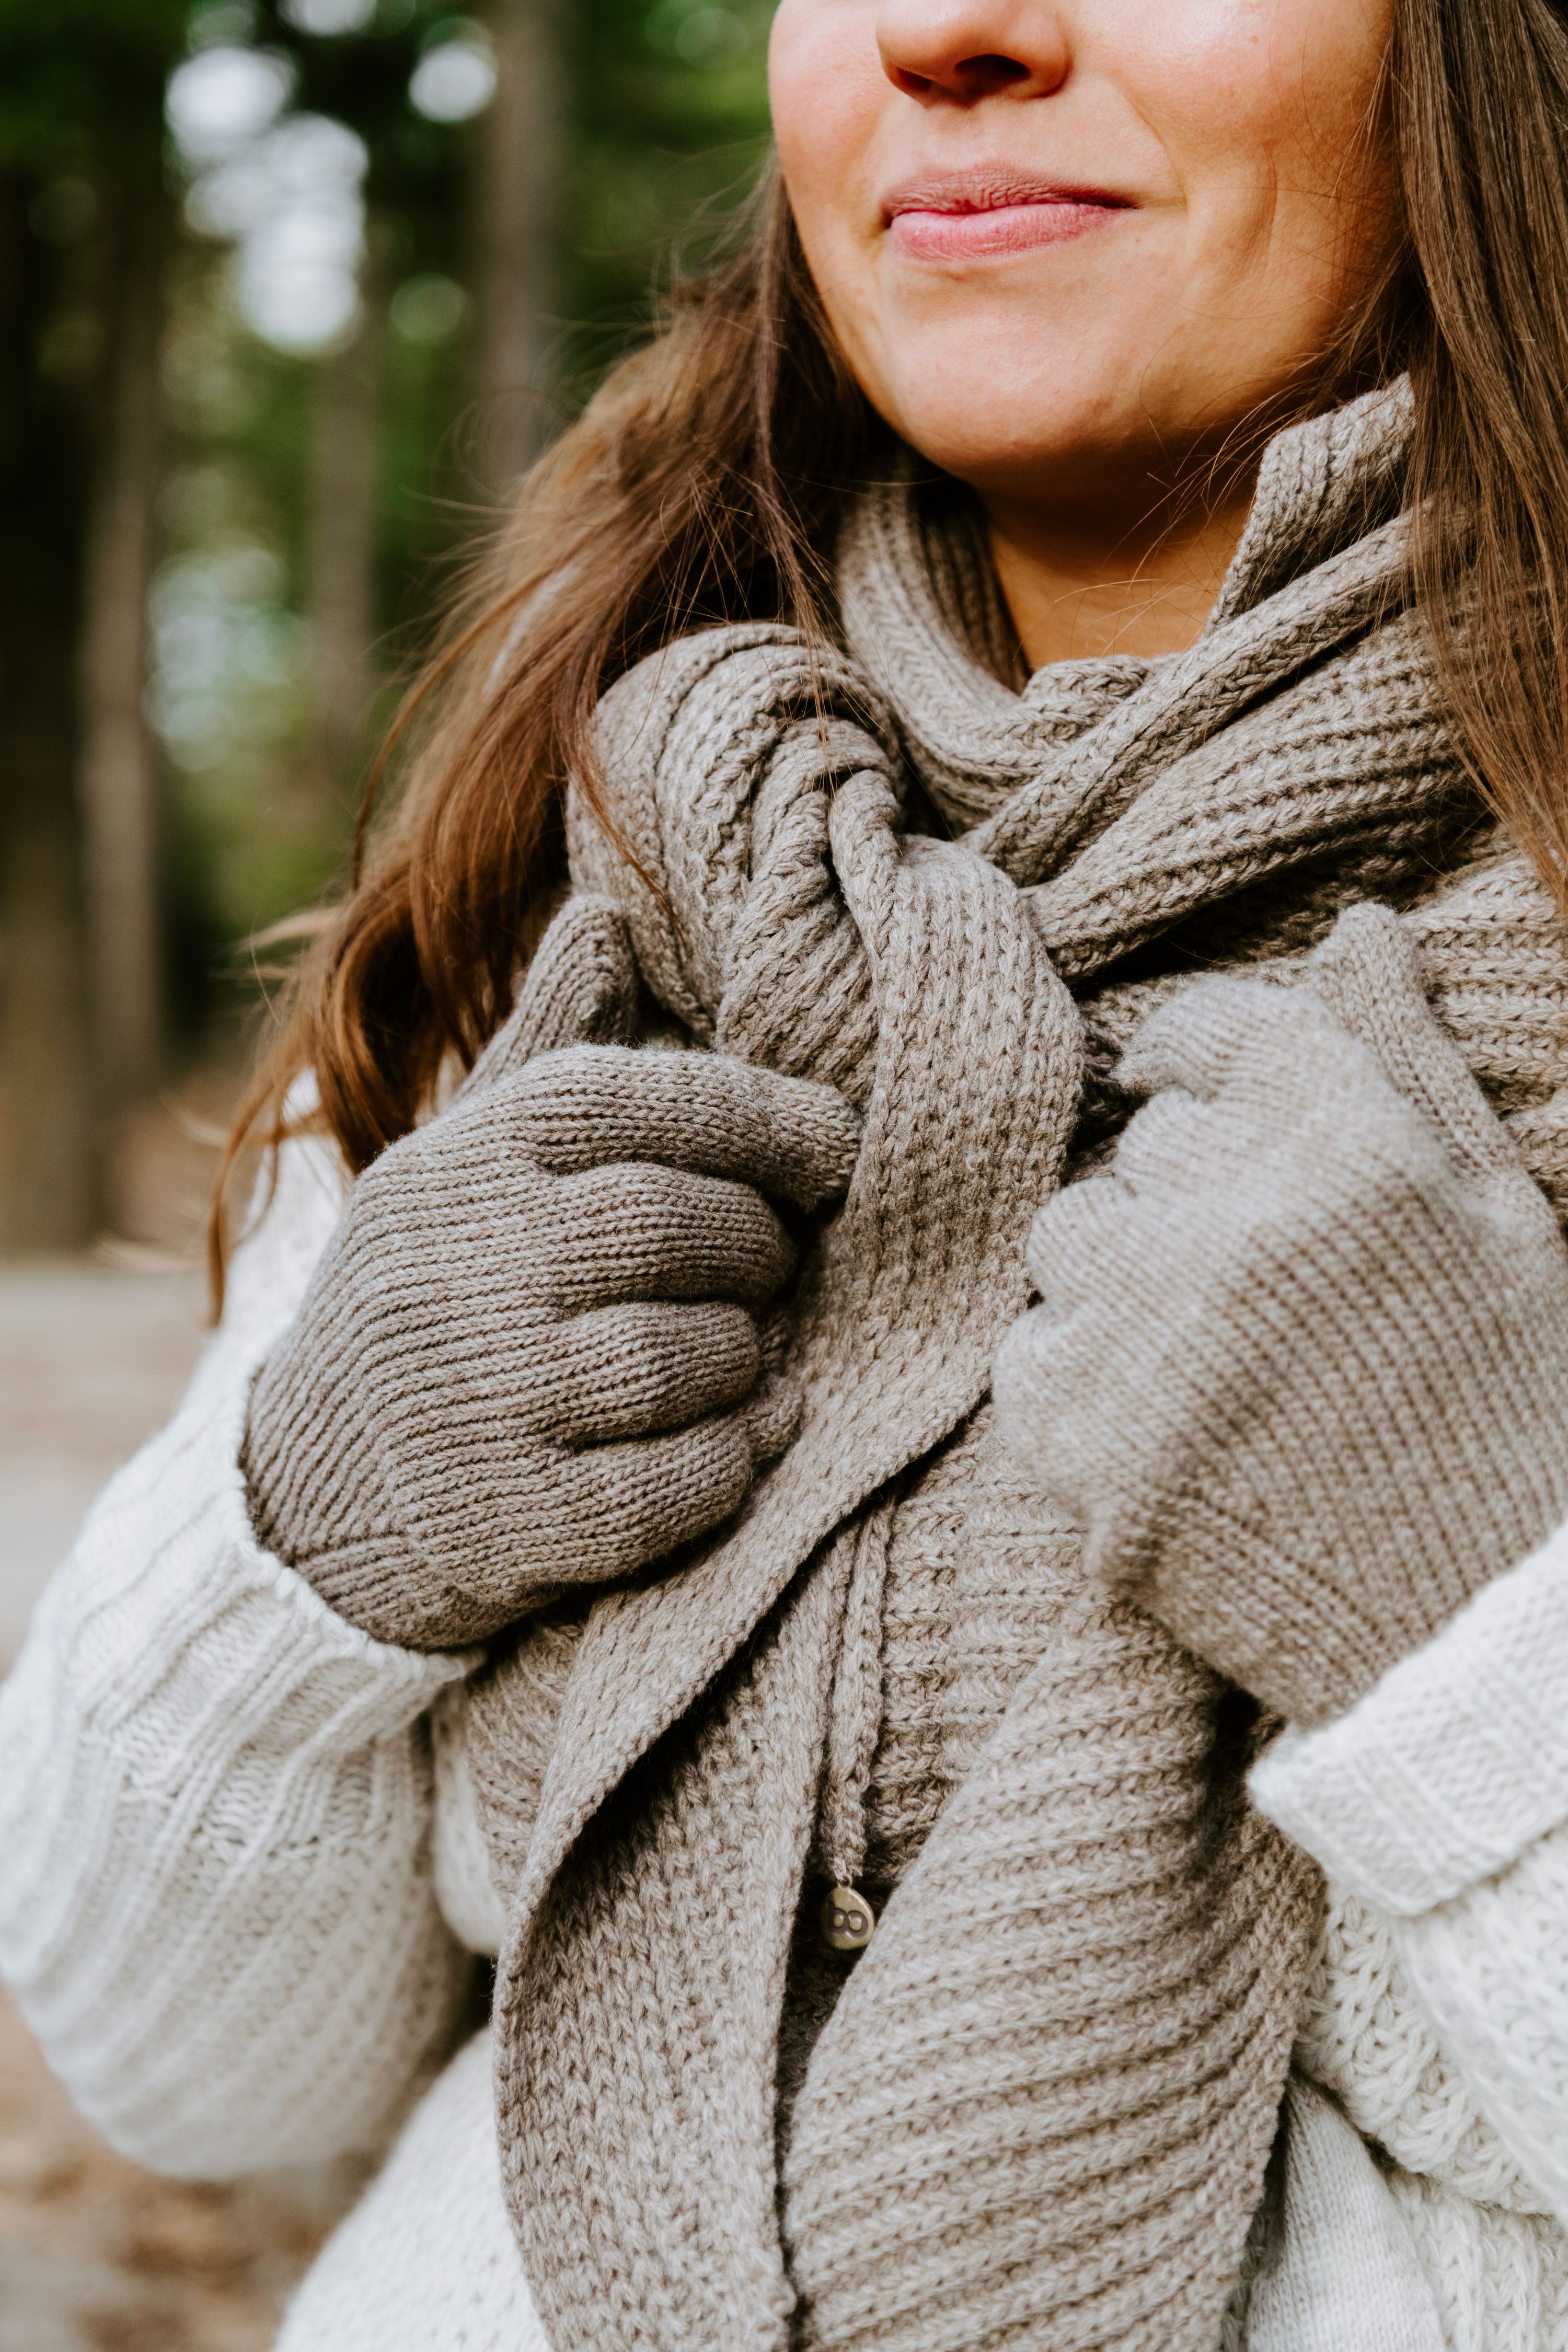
1441, 1800
216, 1901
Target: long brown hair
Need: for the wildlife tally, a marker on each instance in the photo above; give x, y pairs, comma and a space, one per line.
703, 484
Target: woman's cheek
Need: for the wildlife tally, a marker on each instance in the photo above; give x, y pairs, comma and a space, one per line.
829, 97
831, 105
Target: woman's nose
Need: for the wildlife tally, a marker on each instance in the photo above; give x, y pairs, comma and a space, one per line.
954, 52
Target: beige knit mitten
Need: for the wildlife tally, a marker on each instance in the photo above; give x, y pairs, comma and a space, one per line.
525, 1360
1300, 1367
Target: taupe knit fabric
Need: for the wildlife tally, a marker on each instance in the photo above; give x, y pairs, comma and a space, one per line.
525, 1358
1040, 2108
1301, 1364
1036, 2110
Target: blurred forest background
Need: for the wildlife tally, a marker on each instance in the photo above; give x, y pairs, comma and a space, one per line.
291, 290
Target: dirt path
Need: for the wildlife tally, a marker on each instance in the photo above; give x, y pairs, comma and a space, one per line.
92, 1359
96, 2255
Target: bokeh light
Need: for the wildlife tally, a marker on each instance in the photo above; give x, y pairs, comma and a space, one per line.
288, 190
455, 80
224, 97
328, 17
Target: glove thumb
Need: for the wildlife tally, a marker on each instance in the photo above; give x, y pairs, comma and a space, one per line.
1367, 973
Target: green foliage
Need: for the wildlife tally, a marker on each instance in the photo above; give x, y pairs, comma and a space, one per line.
80, 76
669, 125
664, 124
361, 79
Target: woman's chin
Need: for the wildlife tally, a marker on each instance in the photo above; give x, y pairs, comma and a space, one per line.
1022, 440
1000, 399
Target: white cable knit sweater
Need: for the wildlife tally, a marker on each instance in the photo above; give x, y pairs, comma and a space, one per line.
241, 1878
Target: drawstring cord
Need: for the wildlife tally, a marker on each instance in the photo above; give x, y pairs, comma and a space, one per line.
854, 1723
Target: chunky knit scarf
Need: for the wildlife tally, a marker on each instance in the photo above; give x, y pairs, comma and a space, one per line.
1040, 2110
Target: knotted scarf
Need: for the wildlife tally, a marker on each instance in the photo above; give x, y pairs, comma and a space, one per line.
1040, 2111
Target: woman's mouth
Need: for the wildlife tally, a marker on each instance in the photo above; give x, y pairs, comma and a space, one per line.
975, 215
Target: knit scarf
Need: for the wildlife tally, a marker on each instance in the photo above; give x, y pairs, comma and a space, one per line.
1040, 2111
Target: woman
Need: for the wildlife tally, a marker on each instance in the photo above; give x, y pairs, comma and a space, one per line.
1106, 531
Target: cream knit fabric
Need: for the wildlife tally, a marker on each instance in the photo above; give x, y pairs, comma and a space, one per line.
1330, 2260
429, 2261
194, 1763
215, 1898
274, 1952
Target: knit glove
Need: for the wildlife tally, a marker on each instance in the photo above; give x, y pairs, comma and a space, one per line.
525, 1360
1300, 1367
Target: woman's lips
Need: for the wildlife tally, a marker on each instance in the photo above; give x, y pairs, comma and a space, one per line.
951, 224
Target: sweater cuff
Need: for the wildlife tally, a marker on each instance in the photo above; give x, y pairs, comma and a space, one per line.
1452, 1764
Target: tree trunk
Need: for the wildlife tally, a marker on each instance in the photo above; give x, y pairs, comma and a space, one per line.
340, 601
517, 161
46, 1193
116, 782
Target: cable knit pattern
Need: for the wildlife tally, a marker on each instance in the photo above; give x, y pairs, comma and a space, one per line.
1440, 1800
1363, 2033
1329, 2260
1364, 2036
215, 1905
1499, 2279
284, 1993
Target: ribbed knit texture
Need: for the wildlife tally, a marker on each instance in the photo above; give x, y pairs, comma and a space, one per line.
525, 1360
1087, 2175
657, 1890
216, 1899
1301, 1363
217, 1895
1363, 2034
206, 1950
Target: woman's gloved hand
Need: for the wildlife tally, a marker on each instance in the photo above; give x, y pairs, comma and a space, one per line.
1300, 1367
530, 1356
